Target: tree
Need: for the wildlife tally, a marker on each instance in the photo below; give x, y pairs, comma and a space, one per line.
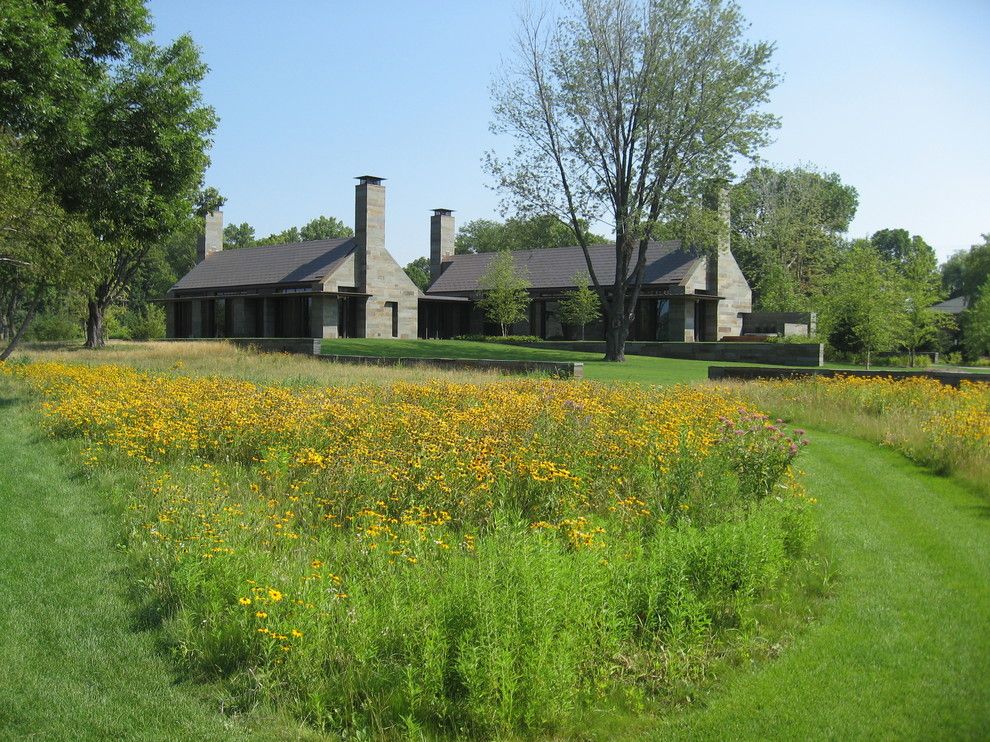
786, 232
976, 324
618, 108
865, 306
325, 228
517, 233
419, 272
915, 260
580, 305
505, 290
966, 272
139, 179
236, 236
44, 251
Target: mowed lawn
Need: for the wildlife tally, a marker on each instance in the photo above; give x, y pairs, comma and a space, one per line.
640, 369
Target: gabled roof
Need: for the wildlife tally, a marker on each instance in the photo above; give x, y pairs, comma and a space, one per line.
292, 263
554, 268
955, 305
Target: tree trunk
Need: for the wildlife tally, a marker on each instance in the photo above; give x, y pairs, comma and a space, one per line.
867, 359
23, 328
94, 325
582, 331
616, 328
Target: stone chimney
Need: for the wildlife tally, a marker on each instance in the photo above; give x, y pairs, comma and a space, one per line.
211, 241
441, 241
717, 199
369, 227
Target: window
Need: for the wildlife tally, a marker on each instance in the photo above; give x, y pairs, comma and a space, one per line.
393, 307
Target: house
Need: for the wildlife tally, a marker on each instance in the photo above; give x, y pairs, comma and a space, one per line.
686, 296
350, 287
956, 305
353, 287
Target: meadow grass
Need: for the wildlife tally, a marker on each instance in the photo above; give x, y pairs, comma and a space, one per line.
939, 426
460, 559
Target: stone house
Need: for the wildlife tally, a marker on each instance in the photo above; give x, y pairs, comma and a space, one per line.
350, 287
353, 287
686, 296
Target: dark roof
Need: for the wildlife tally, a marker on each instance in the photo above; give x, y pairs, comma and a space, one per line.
554, 268
955, 305
292, 263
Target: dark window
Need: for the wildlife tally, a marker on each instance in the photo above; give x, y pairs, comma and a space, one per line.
663, 319
393, 307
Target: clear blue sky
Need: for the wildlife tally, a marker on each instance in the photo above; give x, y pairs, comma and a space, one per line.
893, 96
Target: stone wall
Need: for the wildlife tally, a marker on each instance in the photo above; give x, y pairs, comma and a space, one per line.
766, 323
749, 373
788, 354
377, 273
561, 369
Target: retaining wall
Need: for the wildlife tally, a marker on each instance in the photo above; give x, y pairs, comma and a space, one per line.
561, 369
785, 354
749, 373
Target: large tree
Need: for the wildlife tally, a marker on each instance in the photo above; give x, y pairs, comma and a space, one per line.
915, 261
114, 124
864, 305
44, 251
787, 228
621, 110
139, 178
967, 271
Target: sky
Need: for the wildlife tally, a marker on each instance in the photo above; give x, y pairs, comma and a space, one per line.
892, 96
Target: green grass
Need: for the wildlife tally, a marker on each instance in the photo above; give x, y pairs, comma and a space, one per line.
78, 663
903, 650
640, 369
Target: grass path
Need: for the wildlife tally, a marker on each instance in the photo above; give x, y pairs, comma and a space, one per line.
903, 650
75, 665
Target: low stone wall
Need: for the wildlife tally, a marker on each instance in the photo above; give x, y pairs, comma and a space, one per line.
560, 369
785, 354
749, 373
300, 346
761, 323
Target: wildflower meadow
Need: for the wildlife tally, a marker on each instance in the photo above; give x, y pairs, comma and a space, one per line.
473, 559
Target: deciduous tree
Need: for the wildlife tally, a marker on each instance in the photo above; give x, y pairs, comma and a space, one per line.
580, 305
865, 307
419, 272
618, 108
505, 296
517, 233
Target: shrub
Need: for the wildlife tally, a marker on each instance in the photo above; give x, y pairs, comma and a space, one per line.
50, 326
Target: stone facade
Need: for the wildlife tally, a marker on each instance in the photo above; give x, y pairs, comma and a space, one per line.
391, 309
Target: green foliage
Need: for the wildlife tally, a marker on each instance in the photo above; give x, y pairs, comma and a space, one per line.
864, 303
55, 325
786, 232
238, 235
967, 271
976, 324
580, 305
419, 272
44, 251
321, 228
517, 233
505, 296
324, 228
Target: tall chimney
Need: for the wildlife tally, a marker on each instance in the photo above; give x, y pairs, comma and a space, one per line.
369, 227
441, 240
211, 241
717, 199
